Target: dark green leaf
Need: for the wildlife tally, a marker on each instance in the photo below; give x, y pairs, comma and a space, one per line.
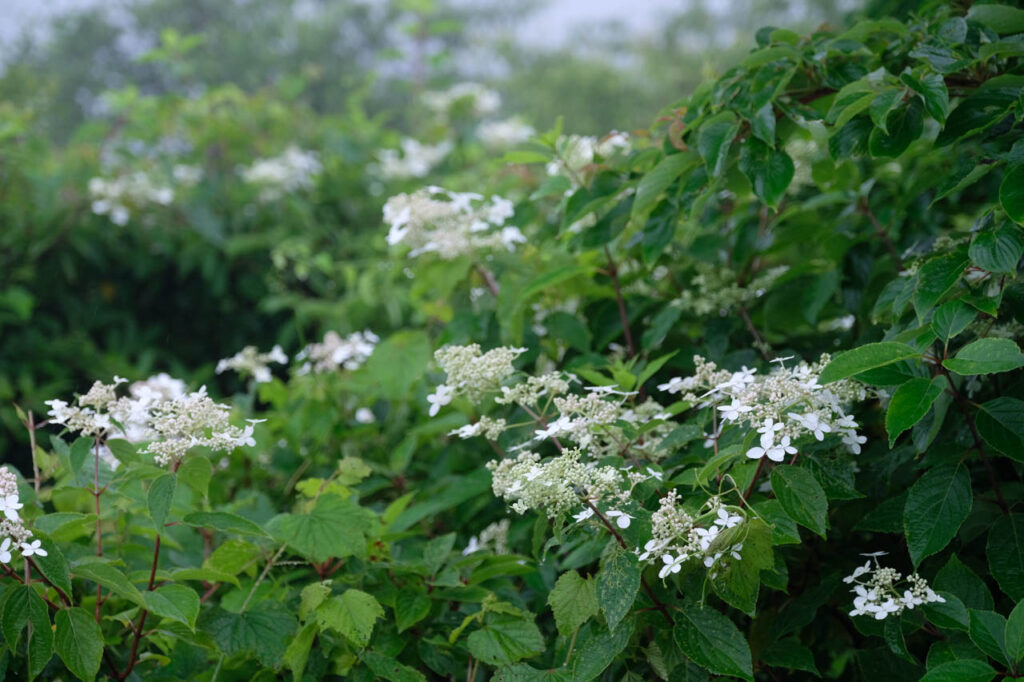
714, 140
967, 670
506, 639
769, 170
1011, 193
332, 530
910, 403
1000, 422
988, 631
411, 606
951, 318
713, 641
998, 250
263, 631
573, 602
1005, 550
865, 357
986, 356
617, 584
1014, 634
225, 523
905, 125
801, 496
161, 494
937, 504
79, 642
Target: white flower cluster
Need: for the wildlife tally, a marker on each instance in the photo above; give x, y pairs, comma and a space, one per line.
157, 411
782, 406
677, 536
471, 372
291, 171
494, 538
505, 133
558, 485
878, 592
484, 101
336, 352
12, 528
415, 160
450, 224
713, 290
117, 197
576, 153
250, 361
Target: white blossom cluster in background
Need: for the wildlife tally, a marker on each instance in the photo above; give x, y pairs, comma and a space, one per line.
677, 536
493, 538
415, 160
157, 412
558, 485
450, 224
251, 362
713, 290
879, 593
292, 171
505, 133
471, 372
782, 405
337, 352
15, 536
118, 197
576, 153
482, 99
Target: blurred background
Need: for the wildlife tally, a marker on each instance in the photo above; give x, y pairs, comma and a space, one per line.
181, 178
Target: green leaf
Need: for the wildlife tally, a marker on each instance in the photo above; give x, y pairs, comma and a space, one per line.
1013, 636
1000, 422
998, 250
40, 634
390, 669
932, 89
1002, 19
988, 631
951, 318
655, 182
437, 551
712, 641
801, 496
904, 125
738, 582
1011, 193
196, 472
506, 639
54, 566
79, 642
176, 602
863, 358
958, 578
225, 523
296, 655
769, 170
351, 614
948, 614
617, 584
411, 606
332, 530
110, 577
910, 403
573, 600
966, 670
937, 504
986, 356
396, 364
1005, 551
791, 654
161, 494
935, 278
714, 140
78, 453
263, 631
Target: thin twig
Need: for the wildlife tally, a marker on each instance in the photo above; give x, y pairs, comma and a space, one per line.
882, 233
488, 277
613, 272
32, 444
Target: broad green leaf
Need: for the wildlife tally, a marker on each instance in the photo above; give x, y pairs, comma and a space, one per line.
790, 654
935, 278
801, 496
332, 530
1005, 551
573, 601
769, 170
937, 504
296, 655
948, 614
395, 364
54, 566
617, 584
714, 138
951, 318
863, 358
910, 403
712, 641
982, 109
1011, 193
1014, 634
904, 125
110, 577
79, 642
505, 639
226, 523
263, 631
956, 577
78, 453
1002, 19
437, 551
196, 473
655, 182
986, 356
388, 668
967, 670
932, 89
998, 250
39, 640
411, 606
351, 614
176, 602
159, 498
1000, 422
988, 631
738, 582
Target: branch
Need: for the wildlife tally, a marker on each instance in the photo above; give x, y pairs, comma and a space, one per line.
613, 272
488, 276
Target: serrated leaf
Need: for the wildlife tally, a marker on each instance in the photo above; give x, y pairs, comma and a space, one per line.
966, 670
411, 606
712, 641
951, 318
863, 358
714, 138
79, 642
998, 250
505, 639
110, 577
332, 530
801, 496
988, 631
225, 522
935, 278
986, 356
738, 582
176, 602
263, 631
388, 668
769, 170
1005, 551
437, 551
1000, 422
937, 504
1011, 193
948, 614
54, 566
159, 498
659, 178
617, 584
296, 655
351, 614
910, 403
573, 601
1013, 637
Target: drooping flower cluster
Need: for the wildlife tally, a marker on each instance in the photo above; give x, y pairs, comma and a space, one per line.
677, 536
483, 100
15, 536
784, 405
118, 197
556, 486
450, 224
157, 412
505, 133
575, 153
251, 362
879, 593
714, 289
292, 171
471, 372
494, 538
414, 161
336, 352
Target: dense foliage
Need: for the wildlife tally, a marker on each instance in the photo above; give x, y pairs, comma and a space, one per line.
739, 395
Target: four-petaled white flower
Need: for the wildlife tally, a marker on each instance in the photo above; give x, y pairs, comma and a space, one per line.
759, 451
852, 441
5, 551
673, 564
812, 423
858, 572
33, 548
778, 452
584, 515
9, 505
441, 396
727, 520
651, 547
674, 385
655, 474
622, 519
733, 411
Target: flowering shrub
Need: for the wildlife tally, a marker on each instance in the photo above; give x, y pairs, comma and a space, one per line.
736, 396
